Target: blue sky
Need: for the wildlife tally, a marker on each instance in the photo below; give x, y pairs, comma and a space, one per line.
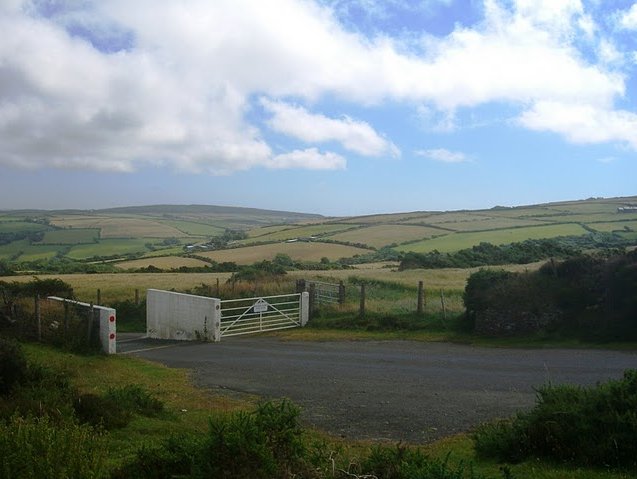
338, 107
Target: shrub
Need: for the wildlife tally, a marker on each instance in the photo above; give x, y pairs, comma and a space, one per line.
588, 426
102, 412
13, 365
115, 409
263, 444
401, 462
174, 457
36, 448
136, 399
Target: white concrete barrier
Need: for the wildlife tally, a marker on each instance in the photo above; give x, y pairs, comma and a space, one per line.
187, 317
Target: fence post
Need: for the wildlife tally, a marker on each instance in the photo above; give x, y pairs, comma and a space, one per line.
420, 297
136, 296
444, 306
218, 295
89, 329
341, 292
312, 298
305, 308
99, 296
66, 318
300, 285
361, 310
38, 317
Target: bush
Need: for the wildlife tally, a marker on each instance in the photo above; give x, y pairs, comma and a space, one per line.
136, 399
263, 444
115, 409
403, 463
174, 457
586, 426
13, 365
36, 448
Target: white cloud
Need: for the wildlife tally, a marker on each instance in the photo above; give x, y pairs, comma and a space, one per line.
178, 93
628, 18
356, 136
443, 155
310, 159
582, 123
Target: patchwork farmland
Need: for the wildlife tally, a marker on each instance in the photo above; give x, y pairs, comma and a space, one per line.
136, 237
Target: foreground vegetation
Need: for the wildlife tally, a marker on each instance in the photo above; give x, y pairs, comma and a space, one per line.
171, 428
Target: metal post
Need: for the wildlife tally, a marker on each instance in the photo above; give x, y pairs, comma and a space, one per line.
136, 296
218, 296
420, 297
66, 318
99, 296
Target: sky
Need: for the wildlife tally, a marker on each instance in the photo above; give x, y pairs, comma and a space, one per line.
336, 107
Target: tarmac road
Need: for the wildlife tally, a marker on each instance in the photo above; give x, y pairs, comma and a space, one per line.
387, 390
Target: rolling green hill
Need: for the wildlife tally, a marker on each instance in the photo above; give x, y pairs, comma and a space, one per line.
127, 233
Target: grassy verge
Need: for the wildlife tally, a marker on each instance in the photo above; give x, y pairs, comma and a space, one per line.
188, 408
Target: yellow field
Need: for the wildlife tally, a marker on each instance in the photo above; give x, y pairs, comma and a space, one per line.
113, 227
299, 251
448, 279
383, 235
162, 262
122, 286
486, 223
302, 231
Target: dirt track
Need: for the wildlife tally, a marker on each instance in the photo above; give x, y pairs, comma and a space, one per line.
388, 390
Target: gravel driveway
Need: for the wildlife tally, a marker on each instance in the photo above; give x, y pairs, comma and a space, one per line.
388, 390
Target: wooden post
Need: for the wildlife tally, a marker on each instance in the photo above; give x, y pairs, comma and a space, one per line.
361, 309
444, 306
136, 297
66, 318
89, 327
421, 295
218, 294
99, 296
341, 293
38, 317
300, 285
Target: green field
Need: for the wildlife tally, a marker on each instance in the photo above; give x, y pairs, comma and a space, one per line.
615, 226
383, 235
108, 247
70, 236
7, 226
458, 241
305, 231
192, 228
23, 250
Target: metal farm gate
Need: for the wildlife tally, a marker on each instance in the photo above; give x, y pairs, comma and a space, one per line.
324, 293
271, 313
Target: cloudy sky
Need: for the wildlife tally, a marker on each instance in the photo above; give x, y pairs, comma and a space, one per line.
337, 107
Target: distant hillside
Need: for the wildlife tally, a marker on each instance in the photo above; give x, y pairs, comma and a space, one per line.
211, 210
177, 232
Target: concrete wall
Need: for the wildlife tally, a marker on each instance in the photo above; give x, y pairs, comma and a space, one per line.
107, 323
181, 316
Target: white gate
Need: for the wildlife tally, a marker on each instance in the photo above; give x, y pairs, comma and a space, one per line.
271, 313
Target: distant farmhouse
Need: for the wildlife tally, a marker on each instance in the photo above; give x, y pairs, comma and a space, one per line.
627, 209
